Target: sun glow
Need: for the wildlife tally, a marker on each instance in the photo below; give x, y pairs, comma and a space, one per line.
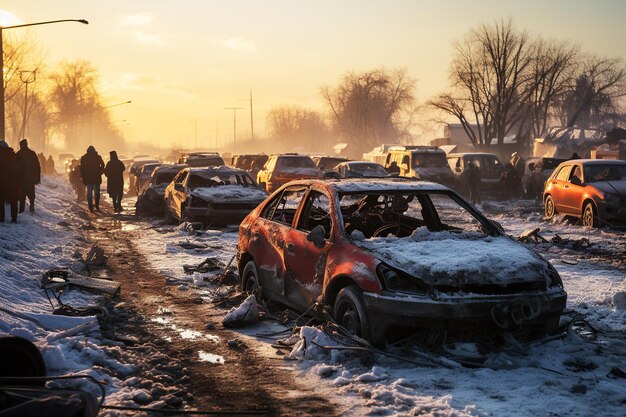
8, 19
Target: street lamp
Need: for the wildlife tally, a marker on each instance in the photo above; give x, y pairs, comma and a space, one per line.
2, 28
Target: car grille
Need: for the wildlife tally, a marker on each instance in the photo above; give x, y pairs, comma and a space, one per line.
493, 289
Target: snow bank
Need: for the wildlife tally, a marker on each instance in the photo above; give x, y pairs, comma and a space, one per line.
35, 244
470, 258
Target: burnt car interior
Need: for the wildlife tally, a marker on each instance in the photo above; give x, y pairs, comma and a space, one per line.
399, 214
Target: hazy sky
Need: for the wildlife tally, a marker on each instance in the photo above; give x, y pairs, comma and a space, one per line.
188, 59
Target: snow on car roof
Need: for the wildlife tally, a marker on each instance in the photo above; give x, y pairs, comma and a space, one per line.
350, 185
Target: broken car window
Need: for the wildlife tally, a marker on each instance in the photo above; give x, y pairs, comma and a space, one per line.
316, 213
389, 213
283, 208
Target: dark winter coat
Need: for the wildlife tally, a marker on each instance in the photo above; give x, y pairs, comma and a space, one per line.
114, 171
28, 167
9, 176
91, 167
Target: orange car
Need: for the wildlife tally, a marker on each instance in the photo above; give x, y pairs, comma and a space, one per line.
280, 169
593, 190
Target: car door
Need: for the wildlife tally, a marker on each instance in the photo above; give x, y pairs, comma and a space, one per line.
573, 191
306, 250
269, 234
559, 184
178, 196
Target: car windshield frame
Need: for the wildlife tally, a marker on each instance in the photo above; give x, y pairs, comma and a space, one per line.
216, 179
489, 227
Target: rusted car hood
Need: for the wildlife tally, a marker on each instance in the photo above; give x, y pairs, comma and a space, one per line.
613, 187
229, 194
458, 259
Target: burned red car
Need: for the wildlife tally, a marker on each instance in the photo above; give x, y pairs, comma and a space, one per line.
391, 255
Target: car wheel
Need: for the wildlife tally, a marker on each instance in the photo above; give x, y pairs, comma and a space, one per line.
590, 218
250, 278
549, 208
349, 312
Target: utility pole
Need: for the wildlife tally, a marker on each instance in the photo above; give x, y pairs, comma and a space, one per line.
234, 109
26, 77
251, 118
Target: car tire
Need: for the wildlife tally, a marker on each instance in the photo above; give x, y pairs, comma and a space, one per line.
590, 217
549, 208
249, 278
349, 312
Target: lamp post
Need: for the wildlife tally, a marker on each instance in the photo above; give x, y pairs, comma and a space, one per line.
26, 77
2, 28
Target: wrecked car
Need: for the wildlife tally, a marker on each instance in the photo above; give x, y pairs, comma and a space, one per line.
282, 168
328, 163
212, 195
361, 169
201, 159
593, 190
151, 198
387, 256
143, 175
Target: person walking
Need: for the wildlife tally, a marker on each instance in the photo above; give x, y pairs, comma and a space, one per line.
9, 181
42, 163
473, 179
511, 182
114, 171
29, 172
50, 166
91, 168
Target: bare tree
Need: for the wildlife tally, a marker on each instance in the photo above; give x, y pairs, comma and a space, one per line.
595, 97
289, 125
372, 107
80, 116
551, 75
488, 76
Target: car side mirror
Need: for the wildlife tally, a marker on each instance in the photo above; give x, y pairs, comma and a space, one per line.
576, 181
179, 187
317, 236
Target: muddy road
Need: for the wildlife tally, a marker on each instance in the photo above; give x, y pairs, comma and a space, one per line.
215, 369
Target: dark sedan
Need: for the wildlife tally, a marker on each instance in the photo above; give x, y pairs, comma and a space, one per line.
213, 195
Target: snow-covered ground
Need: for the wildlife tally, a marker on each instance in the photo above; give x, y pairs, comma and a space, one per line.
48, 239
569, 376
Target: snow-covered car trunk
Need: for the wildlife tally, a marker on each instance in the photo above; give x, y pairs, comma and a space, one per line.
223, 203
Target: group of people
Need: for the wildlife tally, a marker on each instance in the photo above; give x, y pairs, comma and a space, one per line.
19, 173
90, 170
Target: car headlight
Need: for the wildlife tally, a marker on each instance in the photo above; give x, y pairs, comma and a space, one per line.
554, 279
395, 280
613, 200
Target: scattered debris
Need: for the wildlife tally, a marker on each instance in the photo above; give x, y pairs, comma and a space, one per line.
236, 344
96, 256
208, 265
57, 279
246, 313
189, 245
